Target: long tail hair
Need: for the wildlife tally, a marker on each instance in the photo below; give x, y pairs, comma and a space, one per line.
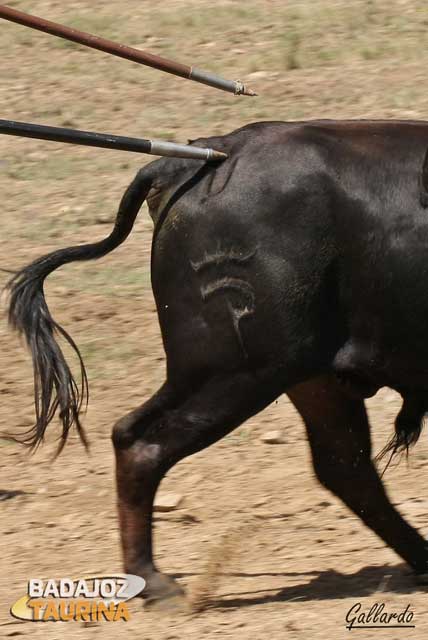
55, 389
408, 427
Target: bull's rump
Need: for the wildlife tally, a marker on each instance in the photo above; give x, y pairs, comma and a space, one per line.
303, 240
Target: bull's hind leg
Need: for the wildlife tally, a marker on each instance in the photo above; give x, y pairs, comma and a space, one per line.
339, 436
136, 489
170, 427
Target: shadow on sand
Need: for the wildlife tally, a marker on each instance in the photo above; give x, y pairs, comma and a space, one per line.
325, 585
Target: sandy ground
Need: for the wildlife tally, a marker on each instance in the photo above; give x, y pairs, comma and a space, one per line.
299, 559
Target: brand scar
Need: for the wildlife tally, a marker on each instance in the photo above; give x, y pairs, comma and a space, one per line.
228, 284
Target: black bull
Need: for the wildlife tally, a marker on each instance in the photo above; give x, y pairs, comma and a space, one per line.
298, 265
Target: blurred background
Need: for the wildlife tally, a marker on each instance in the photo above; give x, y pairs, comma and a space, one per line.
307, 560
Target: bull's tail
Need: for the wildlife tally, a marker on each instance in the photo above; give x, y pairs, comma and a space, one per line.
408, 427
56, 390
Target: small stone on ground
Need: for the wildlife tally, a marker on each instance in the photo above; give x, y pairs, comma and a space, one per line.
272, 437
167, 501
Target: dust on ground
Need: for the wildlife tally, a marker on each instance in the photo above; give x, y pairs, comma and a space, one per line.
304, 559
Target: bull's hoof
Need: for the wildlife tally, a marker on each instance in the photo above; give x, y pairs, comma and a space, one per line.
163, 592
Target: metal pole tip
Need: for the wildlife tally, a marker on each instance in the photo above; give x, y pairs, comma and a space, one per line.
217, 155
249, 92
242, 90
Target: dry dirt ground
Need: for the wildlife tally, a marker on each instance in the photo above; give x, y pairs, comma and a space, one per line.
298, 559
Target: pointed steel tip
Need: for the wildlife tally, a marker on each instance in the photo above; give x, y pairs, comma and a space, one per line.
249, 92
217, 155
242, 90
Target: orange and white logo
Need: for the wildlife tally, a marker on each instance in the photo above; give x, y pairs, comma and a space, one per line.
90, 599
